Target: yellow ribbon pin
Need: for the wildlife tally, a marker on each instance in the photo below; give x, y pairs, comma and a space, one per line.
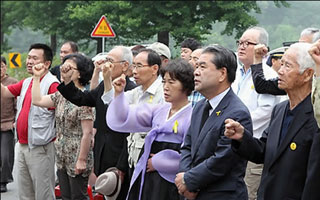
150, 99
293, 146
175, 127
218, 113
252, 87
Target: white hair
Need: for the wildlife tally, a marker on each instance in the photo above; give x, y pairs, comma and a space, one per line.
315, 32
126, 54
304, 59
263, 37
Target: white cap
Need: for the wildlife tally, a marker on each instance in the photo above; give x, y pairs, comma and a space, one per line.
161, 49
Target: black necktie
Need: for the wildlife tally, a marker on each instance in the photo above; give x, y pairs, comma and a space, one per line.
205, 114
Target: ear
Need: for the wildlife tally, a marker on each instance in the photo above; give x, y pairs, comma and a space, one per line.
125, 67
155, 69
47, 64
308, 75
224, 74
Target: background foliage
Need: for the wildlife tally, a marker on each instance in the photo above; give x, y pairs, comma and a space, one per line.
211, 22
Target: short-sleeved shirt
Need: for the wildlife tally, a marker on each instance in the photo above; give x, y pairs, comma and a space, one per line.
22, 121
69, 133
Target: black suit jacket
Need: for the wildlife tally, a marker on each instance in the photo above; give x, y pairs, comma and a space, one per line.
262, 85
210, 165
109, 144
291, 169
110, 148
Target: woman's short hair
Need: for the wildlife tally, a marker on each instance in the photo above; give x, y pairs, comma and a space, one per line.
180, 70
84, 66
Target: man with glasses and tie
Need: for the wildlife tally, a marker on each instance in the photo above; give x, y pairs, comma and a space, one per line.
146, 67
209, 169
259, 105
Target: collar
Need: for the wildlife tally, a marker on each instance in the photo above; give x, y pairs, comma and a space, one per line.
297, 108
214, 102
152, 89
243, 72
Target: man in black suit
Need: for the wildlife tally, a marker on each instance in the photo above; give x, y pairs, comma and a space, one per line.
110, 147
290, 146
209, 169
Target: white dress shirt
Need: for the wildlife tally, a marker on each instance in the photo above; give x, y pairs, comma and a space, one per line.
214, 102
259, 105
153, 95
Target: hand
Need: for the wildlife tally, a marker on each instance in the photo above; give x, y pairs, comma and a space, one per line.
149, 165
260, 50
233, 129
66, 72
38, 70
107, 70
190, 195
80, 166
119, 84
98, 66
314, 52
178, 181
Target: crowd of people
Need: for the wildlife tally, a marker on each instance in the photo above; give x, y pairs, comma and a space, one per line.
136, 124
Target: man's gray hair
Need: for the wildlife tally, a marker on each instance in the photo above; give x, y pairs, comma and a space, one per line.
263, 37
304, 59
315, 32
126, 54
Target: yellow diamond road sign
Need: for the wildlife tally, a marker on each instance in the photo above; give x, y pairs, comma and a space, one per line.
14, 60
103, 29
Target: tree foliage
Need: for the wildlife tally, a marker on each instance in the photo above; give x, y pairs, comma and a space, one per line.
135, 21
11, 16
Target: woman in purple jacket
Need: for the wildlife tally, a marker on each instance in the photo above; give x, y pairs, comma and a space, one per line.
167, 123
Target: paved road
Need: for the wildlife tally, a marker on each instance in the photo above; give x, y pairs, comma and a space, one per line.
12, 193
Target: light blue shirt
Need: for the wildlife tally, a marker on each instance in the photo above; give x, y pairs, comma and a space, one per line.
259, 105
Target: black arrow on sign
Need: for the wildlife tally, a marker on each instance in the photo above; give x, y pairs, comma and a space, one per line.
13, 60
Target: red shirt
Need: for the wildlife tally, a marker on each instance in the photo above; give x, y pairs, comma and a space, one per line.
22, 121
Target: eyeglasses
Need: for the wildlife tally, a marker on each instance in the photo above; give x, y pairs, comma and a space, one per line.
139, 66
245, 44
112, 61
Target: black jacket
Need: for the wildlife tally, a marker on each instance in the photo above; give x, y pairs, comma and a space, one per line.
109, 144
291, 168
262, 85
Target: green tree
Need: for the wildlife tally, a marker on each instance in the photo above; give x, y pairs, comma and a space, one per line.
11, 16
141, 20
47, 16
136, 21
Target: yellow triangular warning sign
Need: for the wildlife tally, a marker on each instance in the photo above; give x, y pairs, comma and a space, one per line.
103, 29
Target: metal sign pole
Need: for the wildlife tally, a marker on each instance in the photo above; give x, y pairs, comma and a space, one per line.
102, 44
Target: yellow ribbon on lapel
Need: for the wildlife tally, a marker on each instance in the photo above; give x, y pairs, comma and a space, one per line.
150, 99
218, 113
175, 127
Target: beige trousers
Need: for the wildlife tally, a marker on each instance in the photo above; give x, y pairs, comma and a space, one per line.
252, 179
36, 177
